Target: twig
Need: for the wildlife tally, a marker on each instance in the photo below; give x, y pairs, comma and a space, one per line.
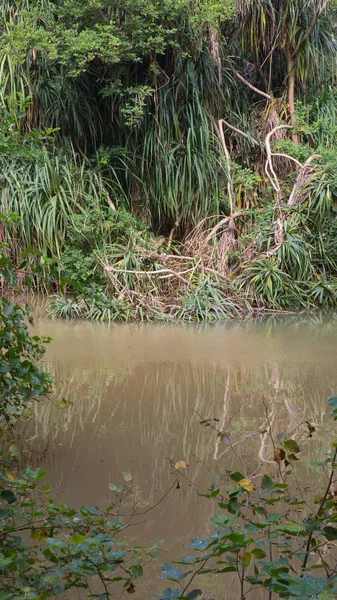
144, 512
194, 575
307, 550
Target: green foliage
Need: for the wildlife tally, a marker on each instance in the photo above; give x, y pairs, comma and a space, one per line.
109, 121
47, 549
92, 304
267, 284
46, 194
21, 378
210, 300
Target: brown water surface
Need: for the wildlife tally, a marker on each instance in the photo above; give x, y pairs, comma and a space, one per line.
139, 393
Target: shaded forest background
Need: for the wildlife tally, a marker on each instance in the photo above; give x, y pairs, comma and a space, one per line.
170, 159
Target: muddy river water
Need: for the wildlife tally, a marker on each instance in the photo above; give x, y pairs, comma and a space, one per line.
139, 393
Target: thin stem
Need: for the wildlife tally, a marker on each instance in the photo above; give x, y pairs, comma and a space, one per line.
193, 576
307, 550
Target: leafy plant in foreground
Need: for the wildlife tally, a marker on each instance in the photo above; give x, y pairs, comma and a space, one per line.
272, 536
21, 378
47, 549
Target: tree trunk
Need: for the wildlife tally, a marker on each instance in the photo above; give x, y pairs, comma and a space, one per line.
291, 93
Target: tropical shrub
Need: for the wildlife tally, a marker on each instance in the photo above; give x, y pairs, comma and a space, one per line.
21, 378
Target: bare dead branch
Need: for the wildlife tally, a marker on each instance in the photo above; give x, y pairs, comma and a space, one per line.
302, 178
109, 269
251, 86
245, 135
221, 223
269, 168
228, 158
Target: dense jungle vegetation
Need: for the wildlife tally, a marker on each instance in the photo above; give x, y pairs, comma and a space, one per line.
268, 532
170, 159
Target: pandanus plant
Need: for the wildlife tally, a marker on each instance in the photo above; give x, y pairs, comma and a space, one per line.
291, 42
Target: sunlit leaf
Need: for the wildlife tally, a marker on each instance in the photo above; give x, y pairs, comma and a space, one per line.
246, 484
77, 538
258, 553
246, 558
8, 473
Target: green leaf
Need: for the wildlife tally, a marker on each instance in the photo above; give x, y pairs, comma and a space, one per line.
55, 543
115, 488
169, 594
194, 594
127, 477
169, 572
330, 533
236, 476
14, 450
237, 538
225, 437
136, 571
258, 553
267, 483
290, 527
246, 558
333, 402
78, 539
292, 446
8, 496
36, 475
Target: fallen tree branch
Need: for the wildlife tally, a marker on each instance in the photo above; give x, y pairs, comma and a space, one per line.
152, 273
